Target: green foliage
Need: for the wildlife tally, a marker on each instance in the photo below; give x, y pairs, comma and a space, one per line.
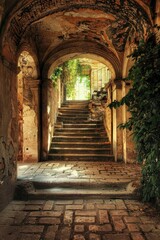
72, 71
143, 101
56, 75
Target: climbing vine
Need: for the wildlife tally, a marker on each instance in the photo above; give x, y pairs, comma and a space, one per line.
143, 101
73, 70
56, 75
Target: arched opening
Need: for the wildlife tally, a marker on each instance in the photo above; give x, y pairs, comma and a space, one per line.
100, 72
28, 104
81, 78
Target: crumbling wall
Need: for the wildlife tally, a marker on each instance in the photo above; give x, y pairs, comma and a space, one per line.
8, 131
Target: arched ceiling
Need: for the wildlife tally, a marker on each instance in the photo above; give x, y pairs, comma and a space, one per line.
50, 23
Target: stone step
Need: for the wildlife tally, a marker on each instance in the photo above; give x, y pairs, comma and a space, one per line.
80, 133
80, 150
72, 110
70, 114
79, 138
76, 193
100, 129
78, 121
71, 189
80, 157
84, 125
71, 118
81, 144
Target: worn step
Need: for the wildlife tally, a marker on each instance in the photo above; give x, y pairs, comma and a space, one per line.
84, 130
80, 150
80, 157
72, 110
74, 188
80, 133
84, 125
70, 114
71, 118
79, 138
81, 144
78, 121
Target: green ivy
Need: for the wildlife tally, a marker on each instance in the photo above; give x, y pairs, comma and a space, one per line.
56, 75
143, 101
72, 70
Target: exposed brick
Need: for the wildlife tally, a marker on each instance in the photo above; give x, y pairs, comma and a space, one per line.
119, 225
31, 220
132, 227
98, 201
100, 228
90, 206
74, 207
49, 221
130, 219
103, 216
48, 206
85, 213
32, 229
102, 206
68, 217
51, 233
58, 207
79, 228
137, 236
32, 208
152, 236
64, 202
147, 227
146, 220
65, 233
82, 219
119, 213
45, 214
116, 237
78, 237
93, 236
29, 237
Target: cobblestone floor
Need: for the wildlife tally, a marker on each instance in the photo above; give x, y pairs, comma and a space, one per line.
89, 219
79, 219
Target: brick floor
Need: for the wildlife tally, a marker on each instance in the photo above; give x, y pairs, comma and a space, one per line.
57, 220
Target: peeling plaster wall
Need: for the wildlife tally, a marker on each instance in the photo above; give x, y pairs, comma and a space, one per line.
51, 98
8, 132
108, 113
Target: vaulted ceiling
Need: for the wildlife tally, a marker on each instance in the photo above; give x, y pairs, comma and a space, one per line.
49, 23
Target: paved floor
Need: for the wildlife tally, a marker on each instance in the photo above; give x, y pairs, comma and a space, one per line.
83, 218
78, 171
91, 219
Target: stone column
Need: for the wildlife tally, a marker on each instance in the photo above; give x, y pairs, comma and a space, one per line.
129, 153
116, 120
47, 87
31, 120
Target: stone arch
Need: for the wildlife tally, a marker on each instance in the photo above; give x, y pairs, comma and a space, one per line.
73, 49
28, 107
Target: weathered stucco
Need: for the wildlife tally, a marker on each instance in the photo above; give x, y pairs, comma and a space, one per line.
8, 132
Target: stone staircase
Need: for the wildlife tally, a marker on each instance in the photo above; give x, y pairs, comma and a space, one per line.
80, 163
77, 137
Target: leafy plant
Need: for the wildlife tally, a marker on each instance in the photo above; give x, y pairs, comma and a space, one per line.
73, 70
143, 101
56, 75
